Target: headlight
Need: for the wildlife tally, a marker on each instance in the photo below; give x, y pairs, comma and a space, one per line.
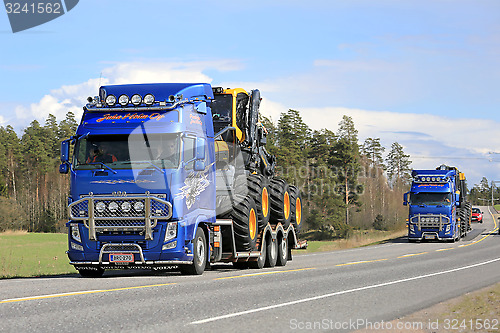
113, 207
111, 100
136, 99
75, 232
428, 179
171, 232
123, 100
138, 206
126, 207
100, 206
433, 179
149, 99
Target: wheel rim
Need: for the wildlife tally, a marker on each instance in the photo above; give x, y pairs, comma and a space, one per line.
200, 251
286, 209
283, 249
298, 211
253, 224
265, 202
273, 250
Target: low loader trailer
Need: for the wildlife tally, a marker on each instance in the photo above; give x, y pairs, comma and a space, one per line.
176, 175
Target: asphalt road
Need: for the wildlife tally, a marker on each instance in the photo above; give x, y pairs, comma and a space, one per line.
340, 291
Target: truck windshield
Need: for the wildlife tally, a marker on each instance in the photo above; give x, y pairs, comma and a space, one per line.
128, 151
430, 199
222, 106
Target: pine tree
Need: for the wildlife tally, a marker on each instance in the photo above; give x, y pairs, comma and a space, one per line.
344, 156
398, 166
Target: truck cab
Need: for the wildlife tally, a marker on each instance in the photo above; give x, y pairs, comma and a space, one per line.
436, 205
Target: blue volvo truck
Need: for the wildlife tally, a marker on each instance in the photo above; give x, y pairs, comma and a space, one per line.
175, 175
438, 206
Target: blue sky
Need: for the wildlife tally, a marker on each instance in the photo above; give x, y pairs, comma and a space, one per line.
423, 73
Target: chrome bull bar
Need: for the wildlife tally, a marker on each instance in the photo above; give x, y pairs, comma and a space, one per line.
120, 213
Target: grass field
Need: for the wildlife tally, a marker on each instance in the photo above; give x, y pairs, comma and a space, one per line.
28, 254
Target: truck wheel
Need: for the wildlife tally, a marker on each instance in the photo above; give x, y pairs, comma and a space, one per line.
259, 263
272, 253
95, 272
296, 208
199, 255
244, 216
280, 202
258, 188
282, 252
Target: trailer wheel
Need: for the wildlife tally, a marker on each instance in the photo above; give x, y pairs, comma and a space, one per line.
259, 263
246, 229
258, 188
282, 251
272, 252
296, 208
95, 272
199, 255
280, 202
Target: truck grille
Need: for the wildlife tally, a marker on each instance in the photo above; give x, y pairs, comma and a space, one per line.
120, 213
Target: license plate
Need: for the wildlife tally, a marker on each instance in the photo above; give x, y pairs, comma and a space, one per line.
121, 257
430, 236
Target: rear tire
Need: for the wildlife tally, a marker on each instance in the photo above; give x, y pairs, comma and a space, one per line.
246, 230
261, 260
296, 208
282, 252
280, 202
272, 253
258, 188
199, 255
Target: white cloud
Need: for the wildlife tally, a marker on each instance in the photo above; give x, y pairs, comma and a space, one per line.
73, 97
430, 140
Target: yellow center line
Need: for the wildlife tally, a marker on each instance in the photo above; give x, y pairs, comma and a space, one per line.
264, 273
412, 255
359, 262
450, 248
81, 293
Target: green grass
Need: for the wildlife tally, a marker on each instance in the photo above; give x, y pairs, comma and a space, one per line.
32, 254
497, 207
358, 239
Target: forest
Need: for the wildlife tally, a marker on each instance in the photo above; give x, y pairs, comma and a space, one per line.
345, 184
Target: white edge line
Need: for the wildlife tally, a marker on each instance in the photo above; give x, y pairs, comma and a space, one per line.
236, 314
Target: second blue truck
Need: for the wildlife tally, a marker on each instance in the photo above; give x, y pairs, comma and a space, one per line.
438, 206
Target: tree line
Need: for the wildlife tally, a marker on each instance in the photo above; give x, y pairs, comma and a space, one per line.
345, 184
33, 195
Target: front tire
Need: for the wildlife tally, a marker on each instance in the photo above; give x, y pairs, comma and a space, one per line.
199, 255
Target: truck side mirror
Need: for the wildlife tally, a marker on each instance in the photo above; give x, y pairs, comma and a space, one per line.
65, 151
64, 168
199, 165
405, 199
200, 149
